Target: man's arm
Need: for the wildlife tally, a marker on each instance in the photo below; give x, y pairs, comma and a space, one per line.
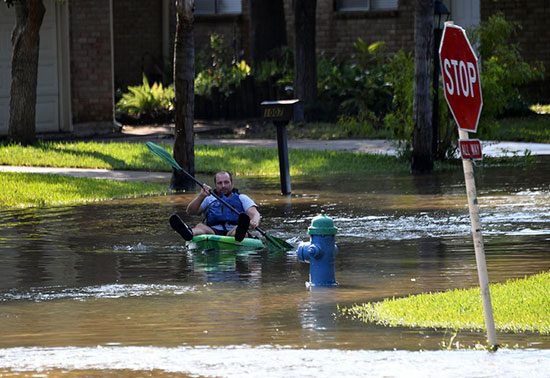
194, 207
254, 215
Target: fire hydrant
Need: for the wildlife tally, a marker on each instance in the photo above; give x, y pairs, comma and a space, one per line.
319, 252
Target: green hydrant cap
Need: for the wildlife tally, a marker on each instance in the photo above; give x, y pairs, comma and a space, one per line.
322, 225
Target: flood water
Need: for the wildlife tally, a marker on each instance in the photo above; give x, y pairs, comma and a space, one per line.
108, 289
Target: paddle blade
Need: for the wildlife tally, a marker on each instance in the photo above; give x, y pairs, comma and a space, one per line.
277, 244
163, 155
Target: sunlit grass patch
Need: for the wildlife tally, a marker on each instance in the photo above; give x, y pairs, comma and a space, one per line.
540, 109
535, 128
130, 156
518, 305
32, 189
208, 159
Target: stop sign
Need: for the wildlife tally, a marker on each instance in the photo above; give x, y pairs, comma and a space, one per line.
460, 77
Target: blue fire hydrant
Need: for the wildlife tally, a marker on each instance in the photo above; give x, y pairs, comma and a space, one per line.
320, 251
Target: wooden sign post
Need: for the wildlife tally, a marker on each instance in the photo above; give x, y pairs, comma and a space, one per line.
462, 86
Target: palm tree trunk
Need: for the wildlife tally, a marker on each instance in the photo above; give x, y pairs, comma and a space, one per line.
25, 40
184, 76
422, 157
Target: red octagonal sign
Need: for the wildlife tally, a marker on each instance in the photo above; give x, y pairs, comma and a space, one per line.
460, 77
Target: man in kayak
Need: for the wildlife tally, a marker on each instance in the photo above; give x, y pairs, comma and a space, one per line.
219, 219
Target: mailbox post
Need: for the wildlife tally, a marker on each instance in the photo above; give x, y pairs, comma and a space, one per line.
281, 113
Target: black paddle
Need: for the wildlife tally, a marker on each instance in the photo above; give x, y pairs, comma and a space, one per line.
272, 242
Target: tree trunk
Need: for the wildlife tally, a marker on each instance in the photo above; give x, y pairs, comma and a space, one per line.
184, 102
422, 158
267, 28
305, 63
25, 40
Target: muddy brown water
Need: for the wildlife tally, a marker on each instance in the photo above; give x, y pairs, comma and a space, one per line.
109, 289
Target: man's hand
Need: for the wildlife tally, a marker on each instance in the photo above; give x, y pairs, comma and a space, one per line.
194, 207
205, 190
254, 217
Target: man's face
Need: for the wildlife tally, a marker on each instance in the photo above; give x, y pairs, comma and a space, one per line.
224, 184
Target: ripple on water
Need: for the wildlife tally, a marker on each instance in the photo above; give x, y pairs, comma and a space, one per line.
245, 361
114, 291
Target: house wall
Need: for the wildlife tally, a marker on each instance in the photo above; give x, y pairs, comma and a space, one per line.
533, 37
137, 31
336, 31
91, 61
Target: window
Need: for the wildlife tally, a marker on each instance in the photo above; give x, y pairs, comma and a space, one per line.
218, 6
366, 5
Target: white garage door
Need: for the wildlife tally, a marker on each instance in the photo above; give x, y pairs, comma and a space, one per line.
47, 103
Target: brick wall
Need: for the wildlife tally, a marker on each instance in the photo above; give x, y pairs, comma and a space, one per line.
233, 28
533, 38
91, 69
336, 31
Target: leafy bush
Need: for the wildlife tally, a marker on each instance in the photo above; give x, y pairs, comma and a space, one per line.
358, 85
216, 68
280, 67
144, 101
400, 75
503, 70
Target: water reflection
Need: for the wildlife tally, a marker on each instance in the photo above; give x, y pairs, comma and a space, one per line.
114, 273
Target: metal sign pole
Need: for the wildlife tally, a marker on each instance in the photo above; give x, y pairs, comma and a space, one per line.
478, 245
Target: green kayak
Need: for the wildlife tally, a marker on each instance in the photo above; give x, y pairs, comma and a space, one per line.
218, 242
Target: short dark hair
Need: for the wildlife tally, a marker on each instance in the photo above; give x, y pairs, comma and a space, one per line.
229, 173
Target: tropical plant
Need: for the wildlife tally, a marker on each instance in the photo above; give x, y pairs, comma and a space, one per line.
147, 101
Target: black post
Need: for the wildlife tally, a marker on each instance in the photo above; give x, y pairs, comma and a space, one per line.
280, 113
435, 103
284, 167
441, 13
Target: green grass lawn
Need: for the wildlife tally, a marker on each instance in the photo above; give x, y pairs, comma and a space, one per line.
535, 128
21, 190
33, 189
531, 128
518, 305
208, 159
135, 156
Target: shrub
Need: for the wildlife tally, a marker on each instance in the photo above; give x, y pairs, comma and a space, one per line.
400, 75
145, 102
280, 67
503, 70
357, 86
216, 68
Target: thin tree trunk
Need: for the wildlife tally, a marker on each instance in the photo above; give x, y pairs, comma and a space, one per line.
184, 76
422, 157
25, 40
305, 63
